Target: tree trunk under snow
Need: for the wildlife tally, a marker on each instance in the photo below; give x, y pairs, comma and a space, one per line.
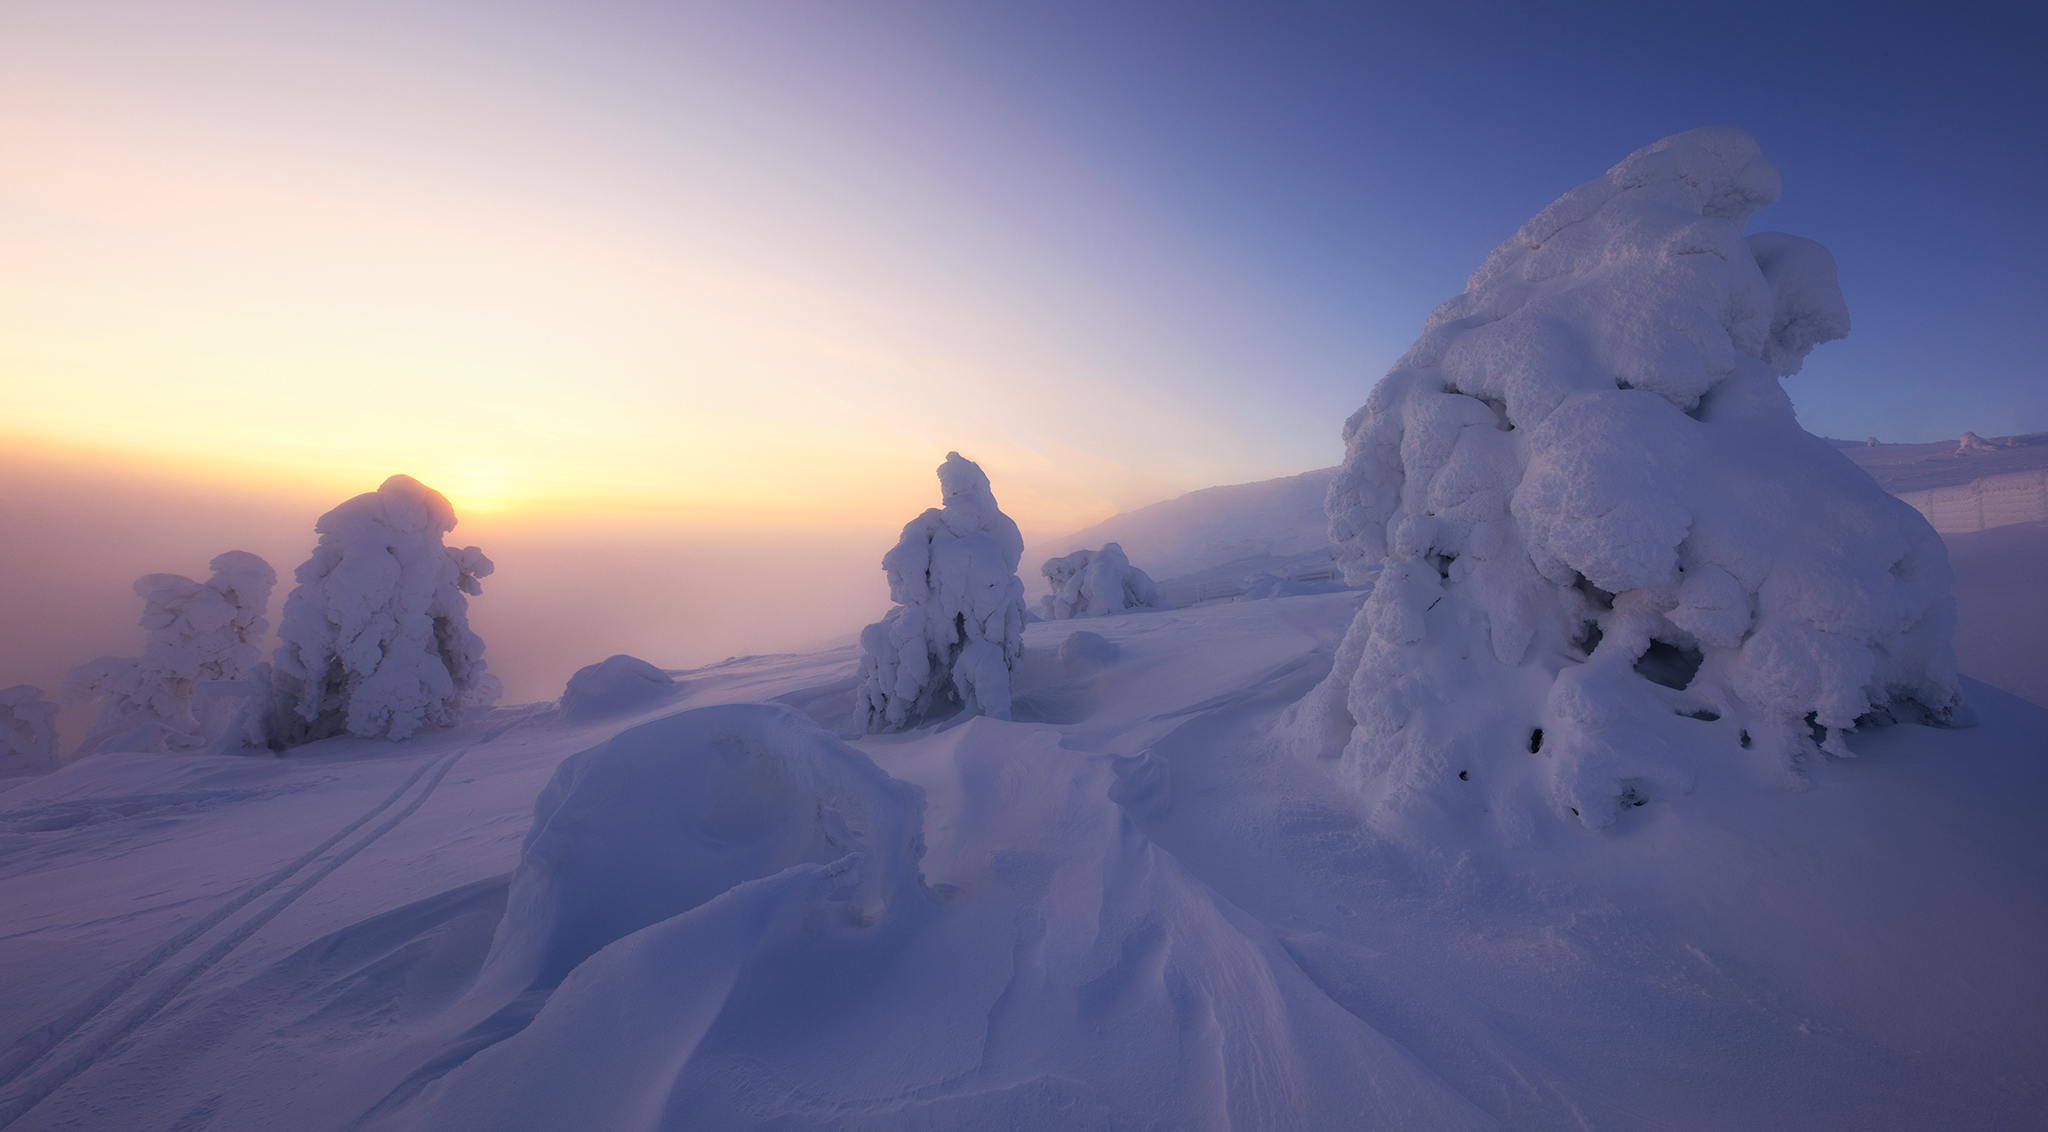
1605, 547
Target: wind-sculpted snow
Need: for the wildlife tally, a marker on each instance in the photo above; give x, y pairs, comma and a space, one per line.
613, 685
1584, 481
1097, 583
732, 903
198, 635
670, 814
958, 626
375, 641
28, 731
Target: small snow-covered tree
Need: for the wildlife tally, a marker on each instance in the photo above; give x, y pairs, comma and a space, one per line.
1607, 548
195, 634
375, 640
28, 731
1096, 583
958, 626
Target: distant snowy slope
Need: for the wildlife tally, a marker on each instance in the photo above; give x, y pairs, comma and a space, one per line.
1900, 468
1995, 484
1230, 531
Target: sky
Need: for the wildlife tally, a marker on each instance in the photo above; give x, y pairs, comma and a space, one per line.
681, 304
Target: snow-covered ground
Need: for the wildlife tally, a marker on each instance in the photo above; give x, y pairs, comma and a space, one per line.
1137, 911
1288, 860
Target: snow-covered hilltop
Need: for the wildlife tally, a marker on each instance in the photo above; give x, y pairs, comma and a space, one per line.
1296, 860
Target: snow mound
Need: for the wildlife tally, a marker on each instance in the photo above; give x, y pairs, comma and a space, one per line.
670, 814
375, 641
28, 731
197, 635
614, 685
958, 626
1076, 977
1597, 517
1096, 583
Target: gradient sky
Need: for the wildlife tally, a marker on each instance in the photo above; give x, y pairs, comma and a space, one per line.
676, 267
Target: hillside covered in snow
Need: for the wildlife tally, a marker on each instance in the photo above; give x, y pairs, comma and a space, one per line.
1628, 779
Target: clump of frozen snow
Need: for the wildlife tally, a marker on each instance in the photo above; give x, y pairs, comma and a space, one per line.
1598, 519
28, 731
1096, 583
958, 626
198, 635
612, 685
375, 640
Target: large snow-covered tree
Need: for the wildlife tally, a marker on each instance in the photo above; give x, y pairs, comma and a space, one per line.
375, 640
1603, 544
958, 626
195, 634
1097, 583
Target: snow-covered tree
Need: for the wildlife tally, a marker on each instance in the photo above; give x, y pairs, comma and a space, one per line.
28, 731
1096, 583
375, 640
195, 634
1607, 547
958, 626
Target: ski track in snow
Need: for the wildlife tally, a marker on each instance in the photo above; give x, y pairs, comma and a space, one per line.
42, 1045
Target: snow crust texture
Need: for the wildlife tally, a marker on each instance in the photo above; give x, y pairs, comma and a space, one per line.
375, 640
1594, 515
199, 638
28, 731
1096, 583
958, 626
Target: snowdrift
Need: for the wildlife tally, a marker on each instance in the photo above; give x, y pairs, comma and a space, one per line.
728, 906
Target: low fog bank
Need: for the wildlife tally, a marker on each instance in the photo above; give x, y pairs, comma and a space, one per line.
566, 592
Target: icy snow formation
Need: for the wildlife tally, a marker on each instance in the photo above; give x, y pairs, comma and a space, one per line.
1597, 516
724, 917
667, 815
28, 731
1096, 583
613, 685
958, 626
375, 640
198, 635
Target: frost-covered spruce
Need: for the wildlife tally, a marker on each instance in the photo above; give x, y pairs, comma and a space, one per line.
1597, 523
1096, 583
375, 640
28, 731
958, 626
196, 634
